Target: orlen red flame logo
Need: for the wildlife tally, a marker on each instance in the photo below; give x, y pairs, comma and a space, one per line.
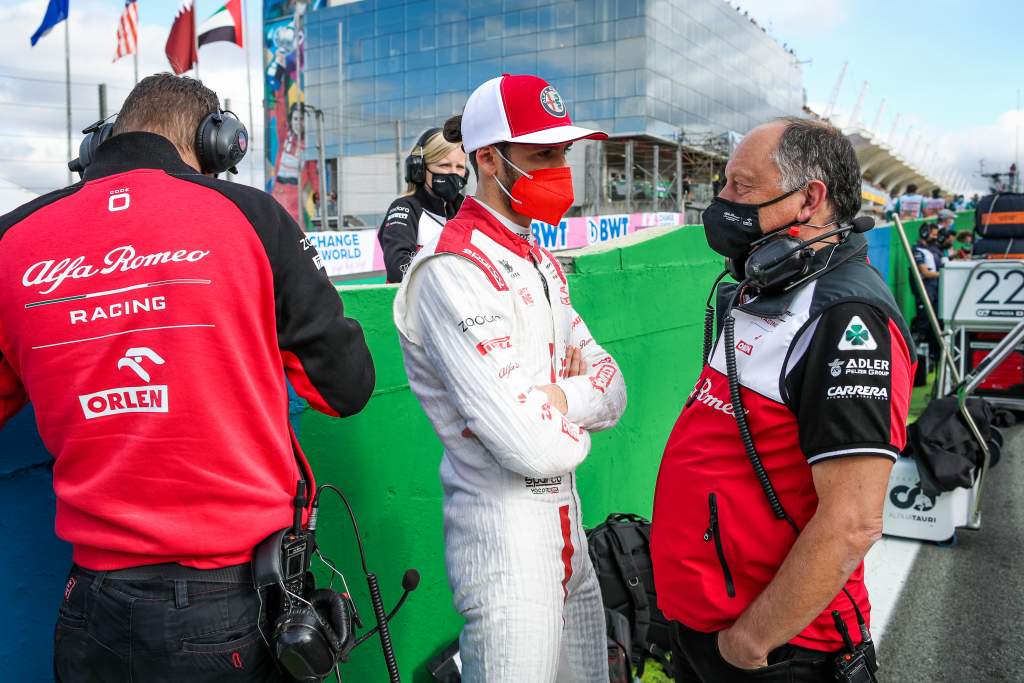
489, 345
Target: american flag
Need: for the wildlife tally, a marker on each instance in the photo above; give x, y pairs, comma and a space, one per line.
127, 31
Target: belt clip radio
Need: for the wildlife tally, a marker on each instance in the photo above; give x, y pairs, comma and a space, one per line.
857, 663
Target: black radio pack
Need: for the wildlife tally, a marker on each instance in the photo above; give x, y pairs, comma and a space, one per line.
314, 629
857, 663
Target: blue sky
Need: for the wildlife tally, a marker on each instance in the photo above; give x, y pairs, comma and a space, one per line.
949, 67
951, 64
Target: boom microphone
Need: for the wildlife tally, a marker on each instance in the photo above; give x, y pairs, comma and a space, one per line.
411, 580
862, 223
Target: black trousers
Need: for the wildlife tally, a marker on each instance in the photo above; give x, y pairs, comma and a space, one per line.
138, 625
697, 660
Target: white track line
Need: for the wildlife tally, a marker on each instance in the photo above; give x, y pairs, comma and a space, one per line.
886, 570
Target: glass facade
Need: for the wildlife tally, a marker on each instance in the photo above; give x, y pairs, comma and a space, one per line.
630, 67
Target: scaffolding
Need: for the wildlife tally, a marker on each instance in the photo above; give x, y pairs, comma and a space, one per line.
642, 173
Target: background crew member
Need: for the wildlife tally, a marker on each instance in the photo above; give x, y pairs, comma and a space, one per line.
150, 333
435, 175
928, 261
824, 376
513, 382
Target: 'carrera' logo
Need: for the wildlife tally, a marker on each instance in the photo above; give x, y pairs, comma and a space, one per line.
119, 259
858, 390
489, 345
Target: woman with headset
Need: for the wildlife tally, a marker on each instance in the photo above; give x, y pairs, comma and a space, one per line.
436, 174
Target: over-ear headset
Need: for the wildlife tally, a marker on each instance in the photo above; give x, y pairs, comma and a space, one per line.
416, 163
221, 142
311, 633
925, 230
781, 260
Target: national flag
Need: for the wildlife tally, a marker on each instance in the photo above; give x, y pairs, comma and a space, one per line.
127, 30
223, 25
181, 43
56, 12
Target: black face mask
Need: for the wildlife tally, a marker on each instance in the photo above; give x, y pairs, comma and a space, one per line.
732, 228
447, 186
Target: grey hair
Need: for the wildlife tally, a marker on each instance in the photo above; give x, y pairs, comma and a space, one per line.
815, 150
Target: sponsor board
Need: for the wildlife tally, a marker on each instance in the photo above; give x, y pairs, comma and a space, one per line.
344, 252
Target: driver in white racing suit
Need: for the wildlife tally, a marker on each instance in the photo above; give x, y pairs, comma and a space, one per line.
513, 383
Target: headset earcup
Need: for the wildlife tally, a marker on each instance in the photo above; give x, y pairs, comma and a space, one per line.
204, 143
302, 645
415, 169
92, 142
330, 608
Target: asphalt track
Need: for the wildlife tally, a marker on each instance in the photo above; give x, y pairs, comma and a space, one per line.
960, 615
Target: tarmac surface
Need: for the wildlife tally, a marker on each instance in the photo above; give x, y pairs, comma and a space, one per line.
961, 615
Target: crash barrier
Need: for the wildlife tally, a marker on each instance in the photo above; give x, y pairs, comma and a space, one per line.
642, 297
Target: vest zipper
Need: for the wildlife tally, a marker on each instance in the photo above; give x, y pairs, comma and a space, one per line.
714, 532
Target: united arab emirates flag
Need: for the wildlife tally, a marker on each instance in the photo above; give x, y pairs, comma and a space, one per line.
224, 25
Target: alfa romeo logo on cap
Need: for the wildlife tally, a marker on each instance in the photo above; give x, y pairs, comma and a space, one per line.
552, 102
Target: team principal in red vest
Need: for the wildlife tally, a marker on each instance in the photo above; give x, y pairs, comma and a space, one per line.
151, 313
824, 371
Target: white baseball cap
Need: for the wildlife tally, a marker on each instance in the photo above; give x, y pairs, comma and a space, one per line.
519, 108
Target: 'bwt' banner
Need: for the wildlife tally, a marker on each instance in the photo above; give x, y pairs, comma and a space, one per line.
584, 230
357, 251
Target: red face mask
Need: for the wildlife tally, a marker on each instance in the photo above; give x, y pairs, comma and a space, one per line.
544, 195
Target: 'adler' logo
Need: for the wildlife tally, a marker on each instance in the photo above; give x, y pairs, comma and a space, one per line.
552, 102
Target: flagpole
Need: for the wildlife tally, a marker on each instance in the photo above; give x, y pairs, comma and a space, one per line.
67, 85
246, 37
135, 61
195, 34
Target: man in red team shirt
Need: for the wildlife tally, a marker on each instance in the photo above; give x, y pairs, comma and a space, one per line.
147, 312
824, 368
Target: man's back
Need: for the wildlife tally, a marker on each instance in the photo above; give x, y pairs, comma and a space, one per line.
147, 312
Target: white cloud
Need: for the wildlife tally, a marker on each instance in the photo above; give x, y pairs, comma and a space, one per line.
32, 106
993, 142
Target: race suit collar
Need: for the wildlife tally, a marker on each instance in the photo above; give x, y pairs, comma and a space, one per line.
135, 150
513, 237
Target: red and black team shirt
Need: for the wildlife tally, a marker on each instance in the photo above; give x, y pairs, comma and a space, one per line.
150, 314
825, 372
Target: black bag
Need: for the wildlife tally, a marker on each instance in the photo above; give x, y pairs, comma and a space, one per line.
1000, 215
620, 550
619, 646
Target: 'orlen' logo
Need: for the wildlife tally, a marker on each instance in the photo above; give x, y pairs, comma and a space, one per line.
145, 399
488, 345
